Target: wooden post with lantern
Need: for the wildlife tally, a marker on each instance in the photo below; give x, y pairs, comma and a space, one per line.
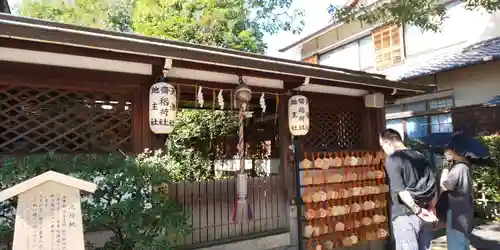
298, 123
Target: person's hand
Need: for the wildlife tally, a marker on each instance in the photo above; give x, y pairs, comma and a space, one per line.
427, 216
432, 210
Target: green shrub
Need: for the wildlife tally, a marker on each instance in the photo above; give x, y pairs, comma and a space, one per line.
125, 203
486, 180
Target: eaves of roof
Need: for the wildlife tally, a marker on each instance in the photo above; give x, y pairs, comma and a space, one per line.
481, 52
52, 32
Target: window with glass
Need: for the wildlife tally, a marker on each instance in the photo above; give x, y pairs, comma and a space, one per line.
388, 46
416, 107
441, 103
357, 55
422, 123
393, 109
346, 56
441, 123
366, 53
417, 127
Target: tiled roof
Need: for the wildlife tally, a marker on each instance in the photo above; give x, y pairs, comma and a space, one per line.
494, 102
487, 50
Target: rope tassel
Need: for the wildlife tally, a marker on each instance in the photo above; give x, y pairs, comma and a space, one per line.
241, 208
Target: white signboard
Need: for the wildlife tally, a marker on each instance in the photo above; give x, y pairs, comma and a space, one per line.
48, 214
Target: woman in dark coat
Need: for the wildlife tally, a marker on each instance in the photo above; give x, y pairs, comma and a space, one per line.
456, 182
456, 185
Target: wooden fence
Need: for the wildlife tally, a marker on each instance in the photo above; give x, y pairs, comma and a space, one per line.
210, 206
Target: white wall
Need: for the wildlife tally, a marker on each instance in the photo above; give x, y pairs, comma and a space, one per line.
471, 86
461, 26
291, 54
268, 166
474, 85
341, 34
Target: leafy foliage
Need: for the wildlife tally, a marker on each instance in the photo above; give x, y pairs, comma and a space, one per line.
192, 145
91, 13
486, 179
125, 203
425, 14
236, 24
193, 142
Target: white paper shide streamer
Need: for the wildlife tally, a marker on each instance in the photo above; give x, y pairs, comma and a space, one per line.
262, 103
199, 97
220, 100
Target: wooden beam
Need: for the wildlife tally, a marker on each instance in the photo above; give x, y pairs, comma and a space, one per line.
219, 86
79, 51
291, 82
64, 83
70, 75
370, 89
233, 70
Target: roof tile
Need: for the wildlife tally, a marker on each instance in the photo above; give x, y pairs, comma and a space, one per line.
487, 50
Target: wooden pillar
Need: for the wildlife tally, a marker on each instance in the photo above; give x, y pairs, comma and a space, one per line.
137, 126
289, 171
373, 124
367, 128
379, 124
286, 155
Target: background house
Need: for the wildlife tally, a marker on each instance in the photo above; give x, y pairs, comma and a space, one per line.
460, 60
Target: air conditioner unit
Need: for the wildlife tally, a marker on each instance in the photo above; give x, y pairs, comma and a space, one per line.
375, 100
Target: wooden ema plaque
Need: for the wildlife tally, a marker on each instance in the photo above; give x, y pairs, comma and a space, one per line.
48, 214
345, 198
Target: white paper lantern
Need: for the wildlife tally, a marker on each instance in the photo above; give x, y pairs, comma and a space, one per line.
298, 115
162, 107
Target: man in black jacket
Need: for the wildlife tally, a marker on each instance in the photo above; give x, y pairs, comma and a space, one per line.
413, 193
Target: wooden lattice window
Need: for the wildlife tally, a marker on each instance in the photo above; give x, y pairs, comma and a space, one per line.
311, 59
40, 119
387, 43
333, 127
